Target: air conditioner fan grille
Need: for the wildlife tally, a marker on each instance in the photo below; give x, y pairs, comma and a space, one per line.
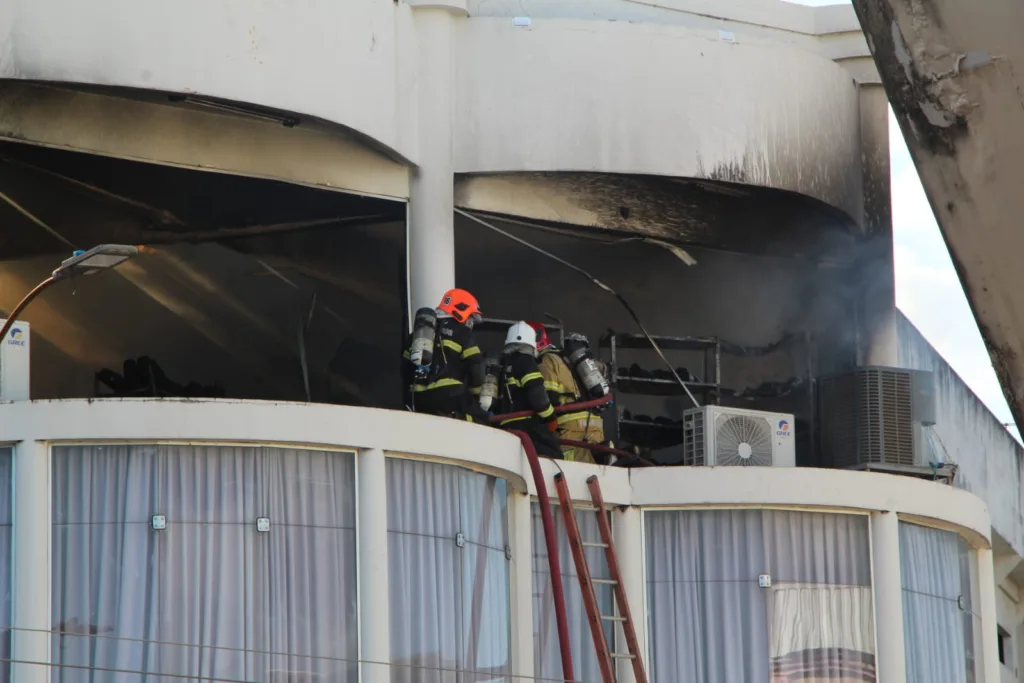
743, 441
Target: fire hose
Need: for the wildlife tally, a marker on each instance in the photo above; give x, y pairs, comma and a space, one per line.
548, 522
569, 407
592, 447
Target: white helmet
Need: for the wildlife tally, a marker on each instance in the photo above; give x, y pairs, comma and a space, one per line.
522, 333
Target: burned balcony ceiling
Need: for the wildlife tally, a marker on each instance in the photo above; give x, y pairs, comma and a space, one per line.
693, 212
952, 71
53, 200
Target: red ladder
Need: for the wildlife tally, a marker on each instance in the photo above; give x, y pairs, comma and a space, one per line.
594, 616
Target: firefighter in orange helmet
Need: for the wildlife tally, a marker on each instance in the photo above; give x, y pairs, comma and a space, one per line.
450, 385
562, 388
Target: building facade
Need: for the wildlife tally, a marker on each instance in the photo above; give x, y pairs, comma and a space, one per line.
392, 554
302, 180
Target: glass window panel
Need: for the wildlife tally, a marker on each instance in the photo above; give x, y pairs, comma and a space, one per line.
308, 488
425, 580
201, 597
449, 600
938, 630
707, 614
483, 509
423, 498
6, 559
107, 592
201, 600
104, 484
6, 486
304, 585
547, 657
711, 621
815, 547
212, 484
485, 633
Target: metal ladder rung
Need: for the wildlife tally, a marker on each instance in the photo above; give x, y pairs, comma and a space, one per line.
605, 657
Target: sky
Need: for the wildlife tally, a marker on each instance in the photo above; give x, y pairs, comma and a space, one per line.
927, 288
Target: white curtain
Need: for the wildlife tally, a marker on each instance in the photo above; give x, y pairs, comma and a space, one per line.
939, 634
449, 575
6, 559
209, 596
815, 617
711, 622
546, 654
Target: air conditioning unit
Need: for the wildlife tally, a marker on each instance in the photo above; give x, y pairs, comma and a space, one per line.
718, 436
14, 353
876, 416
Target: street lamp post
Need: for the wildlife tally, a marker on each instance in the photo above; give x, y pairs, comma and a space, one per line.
103, 257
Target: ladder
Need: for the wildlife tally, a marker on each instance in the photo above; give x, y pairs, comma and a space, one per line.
594, 616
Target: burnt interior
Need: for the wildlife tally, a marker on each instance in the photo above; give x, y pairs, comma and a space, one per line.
249, 288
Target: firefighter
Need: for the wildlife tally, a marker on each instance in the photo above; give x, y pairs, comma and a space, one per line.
444, 366
562, 388
524, 391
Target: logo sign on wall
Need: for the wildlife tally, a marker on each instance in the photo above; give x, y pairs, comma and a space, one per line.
17, 337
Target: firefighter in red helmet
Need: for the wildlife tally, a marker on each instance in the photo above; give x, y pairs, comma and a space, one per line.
449, 383
562, 388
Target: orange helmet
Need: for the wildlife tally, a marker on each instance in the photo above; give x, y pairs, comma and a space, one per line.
543, 341
461, 305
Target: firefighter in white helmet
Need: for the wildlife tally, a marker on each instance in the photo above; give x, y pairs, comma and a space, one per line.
523, 390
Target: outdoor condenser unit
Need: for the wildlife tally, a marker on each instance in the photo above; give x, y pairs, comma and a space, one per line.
875, 416
718, 436
14, 353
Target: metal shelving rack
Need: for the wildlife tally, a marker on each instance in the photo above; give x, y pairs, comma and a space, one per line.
499, 326
706, 390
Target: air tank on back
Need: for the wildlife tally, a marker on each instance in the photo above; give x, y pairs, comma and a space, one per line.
421, 349
581, 360
489, 391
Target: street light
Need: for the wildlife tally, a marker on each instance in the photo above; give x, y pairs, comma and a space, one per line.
103, 257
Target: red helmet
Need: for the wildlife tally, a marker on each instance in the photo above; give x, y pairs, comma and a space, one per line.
460, 304
543, 341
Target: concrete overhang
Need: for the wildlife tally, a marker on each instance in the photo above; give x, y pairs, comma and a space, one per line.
950, 72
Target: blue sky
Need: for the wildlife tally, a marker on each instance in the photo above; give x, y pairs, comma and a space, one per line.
927, 288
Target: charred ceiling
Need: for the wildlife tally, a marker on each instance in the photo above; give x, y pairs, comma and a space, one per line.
692, 212
52, 200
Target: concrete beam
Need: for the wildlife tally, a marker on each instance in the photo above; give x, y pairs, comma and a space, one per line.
950, 70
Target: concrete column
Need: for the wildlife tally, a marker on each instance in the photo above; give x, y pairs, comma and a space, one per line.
891, 658
989, 621
32, 569
627, 531
372, 534
521, 585
875, 276
431, 228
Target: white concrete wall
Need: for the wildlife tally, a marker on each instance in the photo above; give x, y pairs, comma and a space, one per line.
667, 100
338, 61
611, 86
990, 466
968, 434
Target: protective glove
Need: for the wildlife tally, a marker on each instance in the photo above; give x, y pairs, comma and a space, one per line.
553, 426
